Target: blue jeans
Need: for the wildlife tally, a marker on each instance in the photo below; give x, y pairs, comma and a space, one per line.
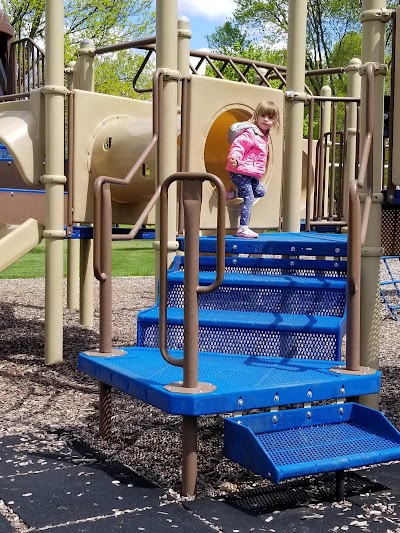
248, 189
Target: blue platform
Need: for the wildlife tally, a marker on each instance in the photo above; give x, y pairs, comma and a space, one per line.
242, 382
279, 243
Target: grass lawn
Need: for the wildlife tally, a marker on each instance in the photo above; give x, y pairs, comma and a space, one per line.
130, 258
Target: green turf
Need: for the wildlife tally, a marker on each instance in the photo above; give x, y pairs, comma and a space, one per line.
130, 258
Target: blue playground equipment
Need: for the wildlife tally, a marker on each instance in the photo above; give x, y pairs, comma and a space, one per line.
269, 337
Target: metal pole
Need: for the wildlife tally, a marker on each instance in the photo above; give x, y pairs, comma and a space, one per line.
373, 49
73, 244
326, 109
54, 179
86, 83
294, 115
184, 35
167, 58
353, 89
192, 207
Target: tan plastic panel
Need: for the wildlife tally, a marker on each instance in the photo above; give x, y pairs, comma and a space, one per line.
16, 241
215, 105
110, 133
22, 131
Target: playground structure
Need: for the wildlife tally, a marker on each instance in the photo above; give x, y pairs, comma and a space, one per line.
124, 163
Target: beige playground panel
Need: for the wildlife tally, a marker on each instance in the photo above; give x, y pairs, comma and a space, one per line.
22, 131
111, 132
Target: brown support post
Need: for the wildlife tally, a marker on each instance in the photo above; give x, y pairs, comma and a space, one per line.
105, 345
105, 410
106, 284
309, 163
191, 205
333, 162
189, 455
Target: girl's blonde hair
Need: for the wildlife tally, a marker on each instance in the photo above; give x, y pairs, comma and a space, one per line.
268, 109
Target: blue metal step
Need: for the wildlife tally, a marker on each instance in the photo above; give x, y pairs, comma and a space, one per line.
243, 382
292, 244
299, 442
250, 333
206, 278
267, 265
265, 293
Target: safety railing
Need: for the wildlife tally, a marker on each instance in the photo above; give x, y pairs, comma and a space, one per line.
325, 185
358, 225
26, 70
240, 69
191, 205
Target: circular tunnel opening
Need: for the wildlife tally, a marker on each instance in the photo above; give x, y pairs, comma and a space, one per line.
217, 147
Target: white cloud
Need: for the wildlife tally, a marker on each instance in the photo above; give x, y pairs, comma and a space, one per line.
211, 9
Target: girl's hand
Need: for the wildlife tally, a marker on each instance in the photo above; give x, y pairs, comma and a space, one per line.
233, 162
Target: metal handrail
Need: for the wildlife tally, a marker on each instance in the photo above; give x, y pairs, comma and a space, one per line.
16, 96
98, 191
32, 42
191, 195
102, 235
358, 229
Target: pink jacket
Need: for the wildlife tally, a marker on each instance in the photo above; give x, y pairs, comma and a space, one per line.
250, 149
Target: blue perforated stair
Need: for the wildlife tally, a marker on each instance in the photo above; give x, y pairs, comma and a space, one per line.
270, 337
300, 442
267, 307
264, 334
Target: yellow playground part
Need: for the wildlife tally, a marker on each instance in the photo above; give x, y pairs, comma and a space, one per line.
214, 106
16, 241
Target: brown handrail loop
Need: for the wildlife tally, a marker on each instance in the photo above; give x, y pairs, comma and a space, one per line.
220, 267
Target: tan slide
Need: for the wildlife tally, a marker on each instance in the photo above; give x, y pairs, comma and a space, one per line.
16, 241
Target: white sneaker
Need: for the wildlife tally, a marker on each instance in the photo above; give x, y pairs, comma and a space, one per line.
247, 233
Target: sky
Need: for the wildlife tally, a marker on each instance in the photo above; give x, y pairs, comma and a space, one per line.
204, 16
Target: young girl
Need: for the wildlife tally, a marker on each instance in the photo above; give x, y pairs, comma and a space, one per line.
247, 161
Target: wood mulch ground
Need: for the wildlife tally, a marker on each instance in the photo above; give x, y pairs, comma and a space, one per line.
60, 404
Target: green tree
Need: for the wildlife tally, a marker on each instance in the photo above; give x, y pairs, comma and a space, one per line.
231, 41
102, 21
333, 33
114, 75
